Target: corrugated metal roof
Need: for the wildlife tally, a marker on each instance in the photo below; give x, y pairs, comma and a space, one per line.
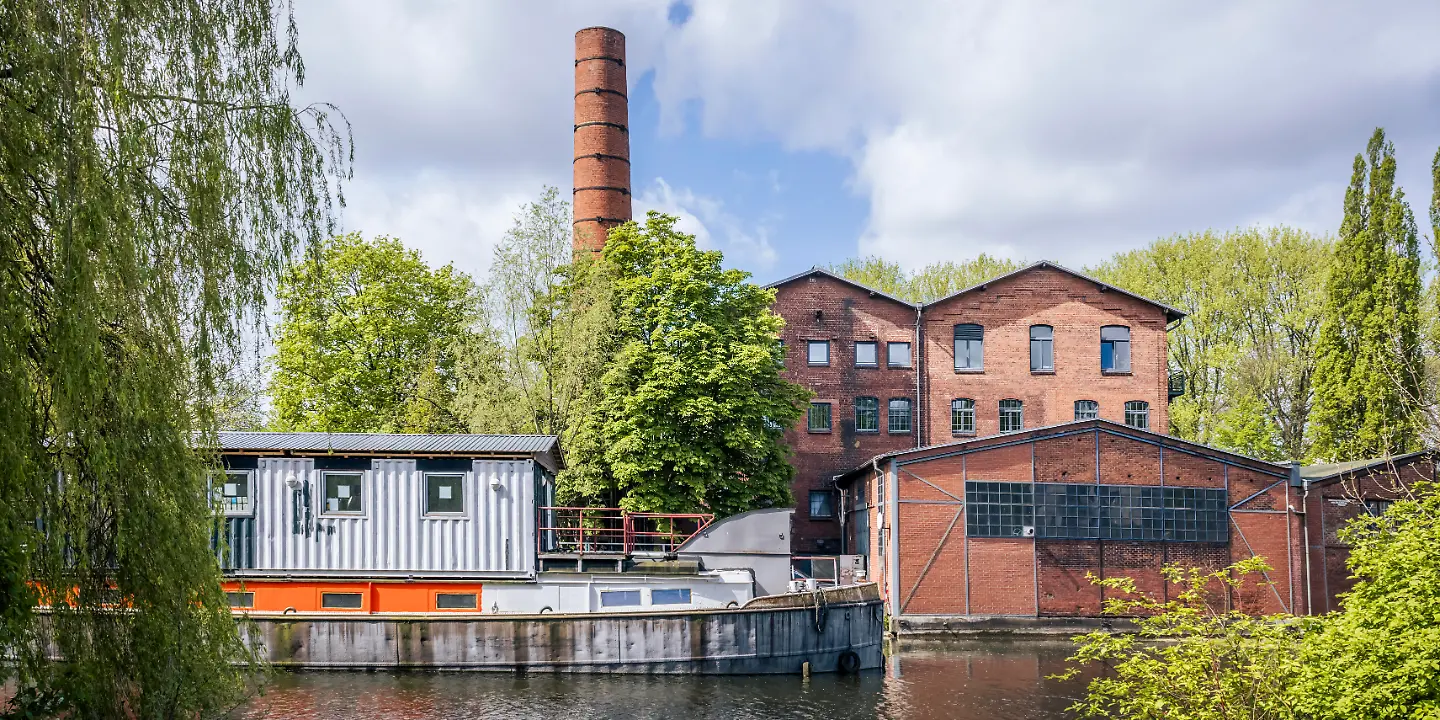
387, 442
1325, 471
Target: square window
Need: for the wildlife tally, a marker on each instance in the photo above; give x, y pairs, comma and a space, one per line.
822, 504
867, 354
1137, 414
897, 354
456, 601
234, 493
670, 596
818, 417
444, 493
1087, 410
619, 598
341, 601
343, 493
818, 352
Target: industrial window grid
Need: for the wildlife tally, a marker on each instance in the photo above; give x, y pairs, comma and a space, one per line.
998, 509
1087, 410
899, 415
867, 414
1137, 414
1072, 511
962, 416
1012, 416
818, 419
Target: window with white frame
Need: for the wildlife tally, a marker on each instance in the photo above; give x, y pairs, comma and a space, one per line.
818, 352
899, 416
1012, 416
1087, 410
234, 492
343, 493
444, 493
1137, 414
962, 416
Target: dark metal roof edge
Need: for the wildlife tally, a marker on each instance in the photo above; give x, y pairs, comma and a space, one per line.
1099, 424
1169, 311
822, 271
1369, 465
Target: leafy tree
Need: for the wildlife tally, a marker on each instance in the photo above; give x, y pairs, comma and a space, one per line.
690, 410
154, 175
1380, 656
1368, 353
1190, 658
929, 283
367, 339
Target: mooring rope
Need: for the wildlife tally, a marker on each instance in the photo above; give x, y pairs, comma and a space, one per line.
822, 609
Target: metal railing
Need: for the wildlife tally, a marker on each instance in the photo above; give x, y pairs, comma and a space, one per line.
613, 531
1177, 384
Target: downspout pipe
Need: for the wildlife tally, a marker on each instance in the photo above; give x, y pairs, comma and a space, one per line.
920, 400
1304, 514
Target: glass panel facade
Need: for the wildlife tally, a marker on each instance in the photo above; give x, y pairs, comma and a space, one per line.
962, 416
969, 347
1012, 416
1073, 511
899, 421
1087, 410
818, 419
866, 354
867, 414
897, 354
1042, 348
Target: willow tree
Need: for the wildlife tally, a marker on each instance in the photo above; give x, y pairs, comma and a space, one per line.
154, 176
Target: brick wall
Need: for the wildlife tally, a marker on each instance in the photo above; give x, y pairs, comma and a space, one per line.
1076, 309
845, 314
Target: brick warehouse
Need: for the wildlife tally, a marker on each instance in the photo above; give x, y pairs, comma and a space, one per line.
1098, 352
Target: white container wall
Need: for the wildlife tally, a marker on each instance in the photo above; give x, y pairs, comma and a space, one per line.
391, 535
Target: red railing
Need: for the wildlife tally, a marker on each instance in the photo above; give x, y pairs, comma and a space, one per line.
612, 531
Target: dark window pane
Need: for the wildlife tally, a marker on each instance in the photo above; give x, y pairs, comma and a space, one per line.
455, 601
818, 419
241, 599
822, 504
444, 493
998, 509
343, 492
340, 601
867, 414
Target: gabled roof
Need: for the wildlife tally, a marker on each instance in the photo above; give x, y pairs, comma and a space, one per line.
544, 448
1040, 433
1329, 471
817, 270
1171, 313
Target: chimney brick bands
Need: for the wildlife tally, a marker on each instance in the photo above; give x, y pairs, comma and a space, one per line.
602, 137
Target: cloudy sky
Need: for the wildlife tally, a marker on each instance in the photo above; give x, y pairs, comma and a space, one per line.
791, 134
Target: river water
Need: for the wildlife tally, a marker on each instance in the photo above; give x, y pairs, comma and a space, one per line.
979, 680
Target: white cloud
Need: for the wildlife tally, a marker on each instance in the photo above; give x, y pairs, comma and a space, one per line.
713, 227
1067, 130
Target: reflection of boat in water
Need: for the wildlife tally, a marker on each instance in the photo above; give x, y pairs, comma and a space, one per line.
448, 551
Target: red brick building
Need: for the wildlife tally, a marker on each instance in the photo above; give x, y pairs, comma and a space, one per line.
1011, 524
1038, 346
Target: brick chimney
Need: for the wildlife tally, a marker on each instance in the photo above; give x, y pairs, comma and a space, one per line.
602, 137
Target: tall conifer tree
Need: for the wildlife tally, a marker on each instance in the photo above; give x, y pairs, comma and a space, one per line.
1369, 362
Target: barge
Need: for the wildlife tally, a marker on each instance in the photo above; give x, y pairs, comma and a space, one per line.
448, 551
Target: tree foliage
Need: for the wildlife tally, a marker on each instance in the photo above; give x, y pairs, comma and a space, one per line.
1248, 343
154, 176
367, 340
690, 410
929, 283
1368, 353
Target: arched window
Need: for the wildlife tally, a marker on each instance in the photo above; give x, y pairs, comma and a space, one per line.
867, 414
1087, 410
962, 416
899, 421
1042, 348
969, 347
1012, 415
1137, 414
1115, 348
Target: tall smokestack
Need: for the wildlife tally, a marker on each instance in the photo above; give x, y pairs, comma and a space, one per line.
602, 137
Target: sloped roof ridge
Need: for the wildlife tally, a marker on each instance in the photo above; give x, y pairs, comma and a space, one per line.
816, 269
1169, 310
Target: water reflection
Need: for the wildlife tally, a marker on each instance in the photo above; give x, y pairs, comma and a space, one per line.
989, 680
